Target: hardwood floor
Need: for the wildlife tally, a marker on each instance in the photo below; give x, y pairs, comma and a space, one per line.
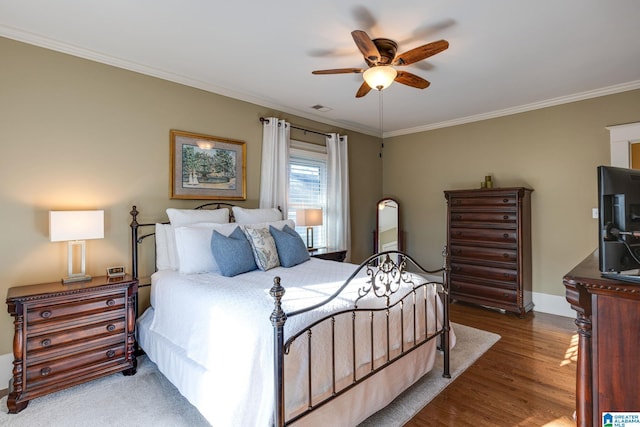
526, 379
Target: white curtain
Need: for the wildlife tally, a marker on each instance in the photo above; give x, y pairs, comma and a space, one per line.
338, 217
274, 175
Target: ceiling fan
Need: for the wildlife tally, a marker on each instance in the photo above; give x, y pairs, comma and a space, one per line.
380, 56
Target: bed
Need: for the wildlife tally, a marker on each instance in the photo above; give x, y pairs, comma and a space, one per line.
313, 342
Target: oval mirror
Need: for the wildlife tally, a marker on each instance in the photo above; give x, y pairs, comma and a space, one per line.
388, 236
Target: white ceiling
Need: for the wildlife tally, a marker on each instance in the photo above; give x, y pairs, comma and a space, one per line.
505, 56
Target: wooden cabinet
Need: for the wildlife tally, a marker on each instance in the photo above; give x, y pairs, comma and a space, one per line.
608, 320
67, 334
330, 254
489, 241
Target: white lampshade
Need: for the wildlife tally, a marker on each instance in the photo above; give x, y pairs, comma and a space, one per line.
75, 225
380, 77
309, 217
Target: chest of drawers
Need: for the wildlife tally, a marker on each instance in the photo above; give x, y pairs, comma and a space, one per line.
489, 239
67, 334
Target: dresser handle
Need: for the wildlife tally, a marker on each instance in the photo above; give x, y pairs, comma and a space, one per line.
111, 328
45, 371
505, 235
457, 217
505, 200
45, 314
111, 353
505, 255
46, 342
111, 302
506, 217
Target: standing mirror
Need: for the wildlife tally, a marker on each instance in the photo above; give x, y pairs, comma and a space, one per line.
388, 236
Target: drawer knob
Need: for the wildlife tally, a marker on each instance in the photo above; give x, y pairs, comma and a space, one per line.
457, 217
45, 371
111, 302
506, 217
505, 200
111, 328
505, 255
46, 342
505, 235
45, 314
111, 353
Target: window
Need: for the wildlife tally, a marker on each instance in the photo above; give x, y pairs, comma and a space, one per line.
308, 186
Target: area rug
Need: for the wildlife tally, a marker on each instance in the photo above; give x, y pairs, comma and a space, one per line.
149, 399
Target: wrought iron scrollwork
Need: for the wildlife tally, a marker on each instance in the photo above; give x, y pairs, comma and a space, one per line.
385, 276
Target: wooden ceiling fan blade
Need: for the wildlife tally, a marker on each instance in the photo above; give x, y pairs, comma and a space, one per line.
340, 71
421, 52
364, 89
411, 80
366, 46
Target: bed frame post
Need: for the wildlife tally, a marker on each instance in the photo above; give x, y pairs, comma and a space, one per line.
134, 242
278, 318
445, 315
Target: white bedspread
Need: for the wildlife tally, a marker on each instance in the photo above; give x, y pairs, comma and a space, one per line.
222, 324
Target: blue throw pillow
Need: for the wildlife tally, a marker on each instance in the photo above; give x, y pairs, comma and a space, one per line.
233, 254
291, 249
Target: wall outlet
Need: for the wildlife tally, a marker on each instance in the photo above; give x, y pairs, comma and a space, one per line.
594, 213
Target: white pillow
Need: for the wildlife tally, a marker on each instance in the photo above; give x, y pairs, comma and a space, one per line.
252, 216
166, 255
193, 246
182, 217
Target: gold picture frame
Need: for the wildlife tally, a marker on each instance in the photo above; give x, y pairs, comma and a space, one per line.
207, 167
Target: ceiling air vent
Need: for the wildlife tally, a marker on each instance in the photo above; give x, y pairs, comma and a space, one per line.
321, 108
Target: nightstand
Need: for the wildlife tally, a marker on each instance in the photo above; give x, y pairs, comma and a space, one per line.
330, 254
67, 334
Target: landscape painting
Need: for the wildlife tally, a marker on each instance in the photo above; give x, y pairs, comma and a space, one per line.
207, 167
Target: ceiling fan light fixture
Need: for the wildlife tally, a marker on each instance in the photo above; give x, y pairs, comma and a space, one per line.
380, 77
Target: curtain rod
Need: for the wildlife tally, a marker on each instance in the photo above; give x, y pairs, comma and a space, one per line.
262, 120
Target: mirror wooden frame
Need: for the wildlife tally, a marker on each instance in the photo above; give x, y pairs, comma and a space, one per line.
376, 233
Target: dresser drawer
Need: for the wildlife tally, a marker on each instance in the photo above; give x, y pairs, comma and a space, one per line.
479, 236
503, 257
54, 340
493, 202
473, 292
474, 219
55, 370
505, 275
46, 311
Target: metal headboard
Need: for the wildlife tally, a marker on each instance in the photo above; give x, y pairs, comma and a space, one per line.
136, 240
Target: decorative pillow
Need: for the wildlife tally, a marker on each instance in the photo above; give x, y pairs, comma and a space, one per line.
264, 248
291, 249
252, 216
166, 253
193, 246
233, 254
182, 217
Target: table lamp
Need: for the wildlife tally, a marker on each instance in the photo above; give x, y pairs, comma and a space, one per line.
309, 218
75, 227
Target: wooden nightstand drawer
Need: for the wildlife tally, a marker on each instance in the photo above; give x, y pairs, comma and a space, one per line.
45, 312
67, 334
54, 340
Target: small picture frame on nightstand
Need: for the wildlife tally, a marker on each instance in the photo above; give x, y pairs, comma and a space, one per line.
117, 271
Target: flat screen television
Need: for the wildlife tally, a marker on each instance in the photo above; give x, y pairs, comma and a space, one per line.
619, 221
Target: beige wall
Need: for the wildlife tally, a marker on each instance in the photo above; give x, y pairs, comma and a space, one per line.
76, 134
554, 150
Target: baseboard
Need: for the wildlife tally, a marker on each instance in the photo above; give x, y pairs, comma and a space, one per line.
552, 304
6, 369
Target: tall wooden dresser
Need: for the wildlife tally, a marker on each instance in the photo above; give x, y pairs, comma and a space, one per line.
489, 239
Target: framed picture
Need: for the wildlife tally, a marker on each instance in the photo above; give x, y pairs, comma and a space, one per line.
207, 167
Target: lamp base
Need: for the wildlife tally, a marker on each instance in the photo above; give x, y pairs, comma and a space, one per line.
76, 278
